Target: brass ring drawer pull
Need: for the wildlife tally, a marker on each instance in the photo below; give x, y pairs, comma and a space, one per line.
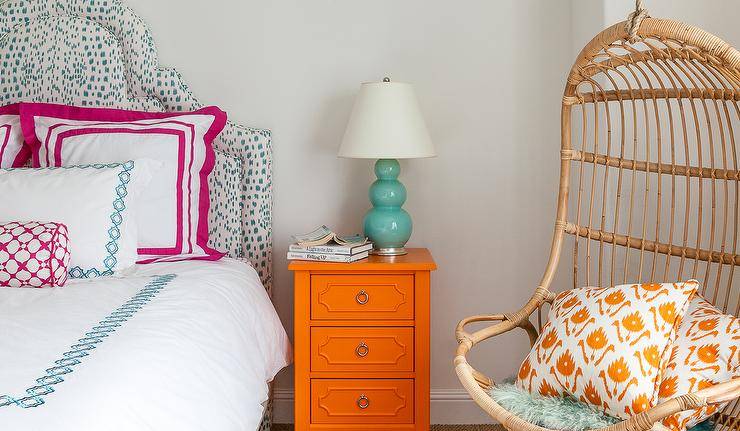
362, 297
362, 349
363, 402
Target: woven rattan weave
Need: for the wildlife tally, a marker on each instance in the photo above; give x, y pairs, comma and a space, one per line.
648, 189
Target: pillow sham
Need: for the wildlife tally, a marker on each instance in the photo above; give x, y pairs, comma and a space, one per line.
95, 202
173, 211
13, 153
705, 353
33, 254
607, 346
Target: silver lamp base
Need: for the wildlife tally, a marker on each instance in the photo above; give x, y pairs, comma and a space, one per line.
391, 251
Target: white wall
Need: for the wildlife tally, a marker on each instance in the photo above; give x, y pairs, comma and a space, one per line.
489, 76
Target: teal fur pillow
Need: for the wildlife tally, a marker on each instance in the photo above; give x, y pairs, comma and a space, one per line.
557, 412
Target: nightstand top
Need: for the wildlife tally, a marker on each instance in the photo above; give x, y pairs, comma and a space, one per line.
417, 259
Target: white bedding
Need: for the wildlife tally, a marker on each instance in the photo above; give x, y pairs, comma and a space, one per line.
192, 352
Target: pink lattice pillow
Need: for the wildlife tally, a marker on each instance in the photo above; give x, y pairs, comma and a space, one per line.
33, 254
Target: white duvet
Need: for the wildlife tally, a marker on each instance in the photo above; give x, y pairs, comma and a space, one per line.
172, 346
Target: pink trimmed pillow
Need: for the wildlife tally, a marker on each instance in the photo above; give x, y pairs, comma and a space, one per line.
33, 254
173, 211
13, 154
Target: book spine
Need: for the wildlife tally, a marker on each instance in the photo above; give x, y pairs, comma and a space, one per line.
319, 257
320, 249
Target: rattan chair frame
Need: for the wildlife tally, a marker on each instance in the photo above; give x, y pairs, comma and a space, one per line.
666, 68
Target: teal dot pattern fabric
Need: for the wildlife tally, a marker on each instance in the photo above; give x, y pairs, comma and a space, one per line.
99, 53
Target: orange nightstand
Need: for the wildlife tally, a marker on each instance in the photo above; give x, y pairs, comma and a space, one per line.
362, 343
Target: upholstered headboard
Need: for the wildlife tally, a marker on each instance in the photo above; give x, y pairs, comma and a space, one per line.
99, 53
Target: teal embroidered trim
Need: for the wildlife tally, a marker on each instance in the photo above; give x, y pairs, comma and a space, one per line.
34, 396
116, 218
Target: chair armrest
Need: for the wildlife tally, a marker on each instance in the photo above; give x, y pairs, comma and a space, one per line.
721, 392
507, 322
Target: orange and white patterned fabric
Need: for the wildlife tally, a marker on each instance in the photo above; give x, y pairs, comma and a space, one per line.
706, 352
607, 346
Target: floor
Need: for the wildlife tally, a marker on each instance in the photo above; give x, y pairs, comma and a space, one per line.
283, 427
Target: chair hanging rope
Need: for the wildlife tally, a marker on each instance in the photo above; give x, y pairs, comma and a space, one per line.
634, 19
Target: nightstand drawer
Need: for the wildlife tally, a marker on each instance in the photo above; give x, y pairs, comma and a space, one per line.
372, 401
362, 297
362, 349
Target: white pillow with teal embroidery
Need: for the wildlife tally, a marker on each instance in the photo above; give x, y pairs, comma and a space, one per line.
96, 202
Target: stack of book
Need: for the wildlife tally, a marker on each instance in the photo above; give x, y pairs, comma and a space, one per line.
323, 245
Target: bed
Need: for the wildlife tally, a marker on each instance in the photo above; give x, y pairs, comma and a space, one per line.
98, 53
84, 357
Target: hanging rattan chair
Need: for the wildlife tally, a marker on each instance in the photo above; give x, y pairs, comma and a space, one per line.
648, 189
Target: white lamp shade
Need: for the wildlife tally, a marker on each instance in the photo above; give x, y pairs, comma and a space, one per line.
386, 123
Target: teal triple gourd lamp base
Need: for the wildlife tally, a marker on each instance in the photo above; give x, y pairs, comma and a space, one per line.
386, 224
386, 124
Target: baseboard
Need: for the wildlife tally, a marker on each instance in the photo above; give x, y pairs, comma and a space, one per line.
448, 406
282, 403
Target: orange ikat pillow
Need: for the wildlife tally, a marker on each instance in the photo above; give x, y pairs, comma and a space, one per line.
705, 353
607, 346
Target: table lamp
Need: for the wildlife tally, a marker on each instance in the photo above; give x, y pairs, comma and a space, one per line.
386, 124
